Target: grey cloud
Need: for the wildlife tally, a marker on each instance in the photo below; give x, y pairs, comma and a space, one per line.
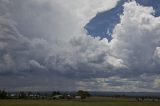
35, 38
46, 39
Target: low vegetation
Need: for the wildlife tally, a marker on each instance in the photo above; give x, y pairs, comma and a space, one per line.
92, 101
80, 98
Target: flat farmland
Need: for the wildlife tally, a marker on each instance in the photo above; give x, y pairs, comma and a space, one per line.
92, 101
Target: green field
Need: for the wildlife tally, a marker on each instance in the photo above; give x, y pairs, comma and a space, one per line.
93, 101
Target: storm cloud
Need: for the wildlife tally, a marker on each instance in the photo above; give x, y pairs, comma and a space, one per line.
44, 46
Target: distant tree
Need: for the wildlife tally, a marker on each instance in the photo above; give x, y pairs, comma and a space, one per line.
67, 96
38, 94
3, 94
30, 93
87, 93
83, 94
22, 95
54, 93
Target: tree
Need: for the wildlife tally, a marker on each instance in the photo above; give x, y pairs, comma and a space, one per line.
3, 94
54, 93
83, 94
22, 95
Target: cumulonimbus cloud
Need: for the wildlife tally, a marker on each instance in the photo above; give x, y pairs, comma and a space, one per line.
44, 36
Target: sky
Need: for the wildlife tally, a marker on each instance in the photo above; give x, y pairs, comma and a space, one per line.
94, 45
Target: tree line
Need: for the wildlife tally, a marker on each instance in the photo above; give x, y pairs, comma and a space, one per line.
39, 95
64, 95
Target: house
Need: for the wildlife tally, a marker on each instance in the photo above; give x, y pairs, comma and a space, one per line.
13, 95
57, 96
77, 97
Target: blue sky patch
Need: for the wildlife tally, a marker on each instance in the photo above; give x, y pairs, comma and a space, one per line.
103, 24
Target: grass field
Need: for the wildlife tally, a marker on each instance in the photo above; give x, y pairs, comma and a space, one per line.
93, 101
